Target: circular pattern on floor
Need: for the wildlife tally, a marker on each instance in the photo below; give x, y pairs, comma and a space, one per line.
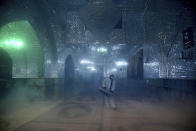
74, 110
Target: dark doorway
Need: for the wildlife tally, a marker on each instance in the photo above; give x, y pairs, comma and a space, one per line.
69, 74
5, 65
135, 67
5, 72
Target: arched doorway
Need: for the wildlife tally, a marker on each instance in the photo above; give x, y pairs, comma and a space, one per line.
69, 69
20, 41
69, 72
5, 65
5, 72
135, 66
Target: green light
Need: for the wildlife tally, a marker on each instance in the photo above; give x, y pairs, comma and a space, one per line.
14, 43
7, 43
20, 41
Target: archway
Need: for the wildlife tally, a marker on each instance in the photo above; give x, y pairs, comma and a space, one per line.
69, 69
5, 65
20, 41
135, 66
5, 72
69, 75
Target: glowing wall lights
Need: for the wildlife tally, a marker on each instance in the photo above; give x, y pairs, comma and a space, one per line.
13, 43
102, 50
84, 61
92, 68
121, 63
114, 70
99, 49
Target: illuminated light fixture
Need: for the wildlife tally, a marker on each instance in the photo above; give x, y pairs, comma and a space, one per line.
13, 43
114, 70
92, 68
7, 43
86, 62
121, 63
60, 62
115, 48
102, 50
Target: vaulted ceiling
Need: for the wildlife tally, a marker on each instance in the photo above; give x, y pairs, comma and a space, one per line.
145, 18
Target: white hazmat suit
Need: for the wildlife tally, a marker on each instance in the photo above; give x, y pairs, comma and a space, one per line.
109, 84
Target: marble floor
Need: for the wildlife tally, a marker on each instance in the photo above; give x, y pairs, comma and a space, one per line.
89, 113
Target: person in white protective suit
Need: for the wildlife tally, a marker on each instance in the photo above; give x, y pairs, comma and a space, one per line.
109, 84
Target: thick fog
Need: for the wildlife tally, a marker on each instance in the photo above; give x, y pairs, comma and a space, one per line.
115, 65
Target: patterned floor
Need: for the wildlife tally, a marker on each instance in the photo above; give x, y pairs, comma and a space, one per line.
90, 114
